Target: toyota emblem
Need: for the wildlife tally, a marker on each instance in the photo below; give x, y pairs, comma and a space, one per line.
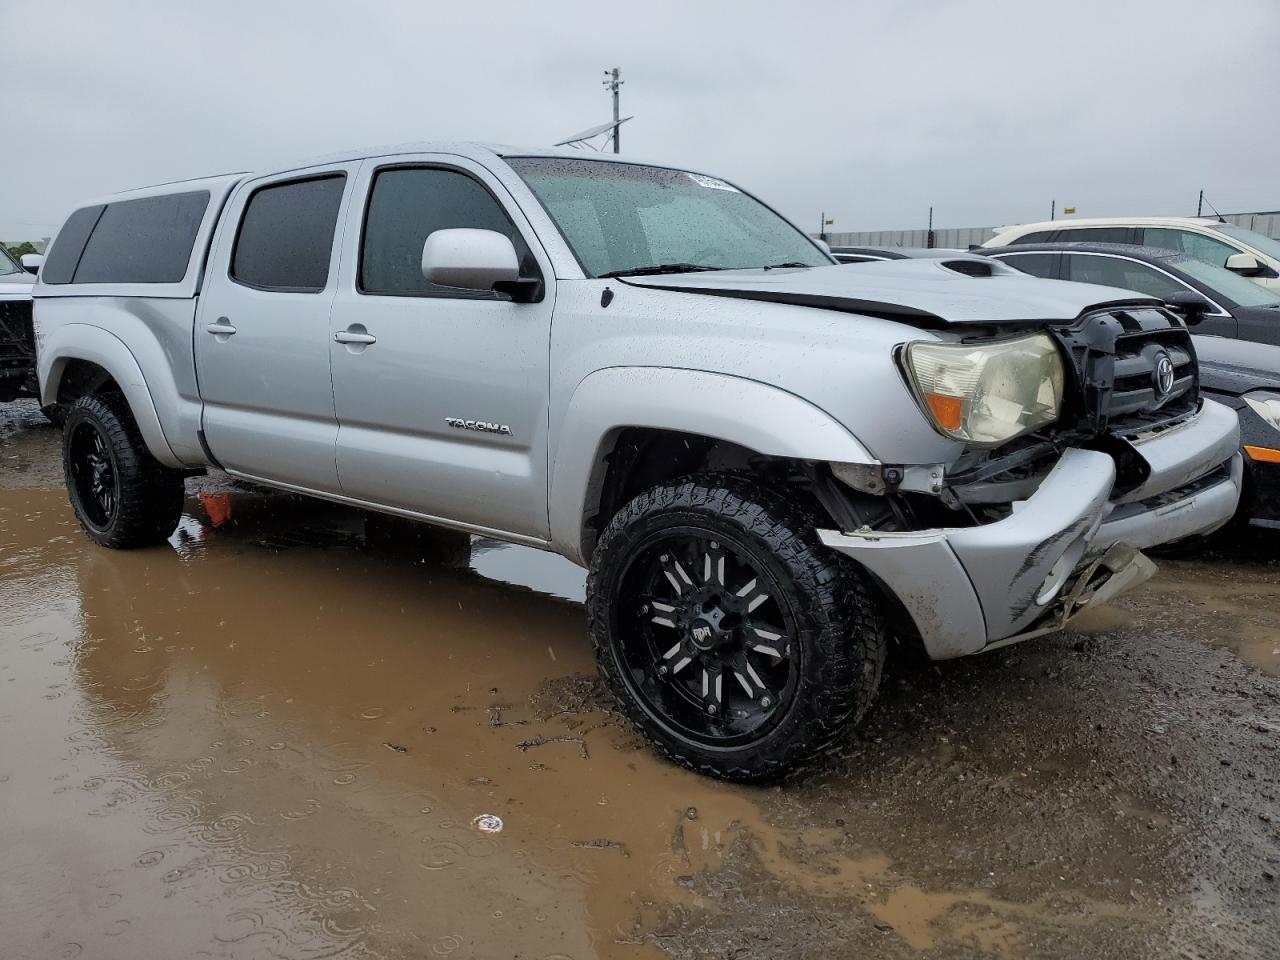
1163, 375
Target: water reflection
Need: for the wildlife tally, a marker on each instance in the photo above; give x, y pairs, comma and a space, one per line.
287, 723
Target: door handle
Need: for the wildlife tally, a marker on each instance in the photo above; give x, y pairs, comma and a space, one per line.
220, 328
350, 336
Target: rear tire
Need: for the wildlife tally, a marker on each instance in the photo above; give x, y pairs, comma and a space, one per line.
122, 496
737, 643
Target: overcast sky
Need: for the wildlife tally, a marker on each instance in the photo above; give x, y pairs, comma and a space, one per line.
871, 111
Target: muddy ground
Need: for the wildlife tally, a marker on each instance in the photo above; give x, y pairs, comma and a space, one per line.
274, 736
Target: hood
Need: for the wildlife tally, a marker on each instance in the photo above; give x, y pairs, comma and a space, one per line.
16, 286
923, 292
1237, 366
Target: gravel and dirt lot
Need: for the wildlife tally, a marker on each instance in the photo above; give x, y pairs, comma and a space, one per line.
296, 730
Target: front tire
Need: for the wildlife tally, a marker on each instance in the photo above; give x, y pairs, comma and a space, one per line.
122, 496
736, 642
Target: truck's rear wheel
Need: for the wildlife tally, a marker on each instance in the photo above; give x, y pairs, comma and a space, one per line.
121, 495
737, 643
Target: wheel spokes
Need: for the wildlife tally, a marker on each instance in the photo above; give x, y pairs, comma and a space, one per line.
717, 637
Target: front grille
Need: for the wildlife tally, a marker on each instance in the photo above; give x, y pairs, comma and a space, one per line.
17, 347
1124, 387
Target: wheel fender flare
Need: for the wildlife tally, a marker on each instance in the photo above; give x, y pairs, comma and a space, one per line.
751, 414
80, 341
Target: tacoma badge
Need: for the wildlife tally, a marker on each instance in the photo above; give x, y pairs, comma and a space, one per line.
483, 426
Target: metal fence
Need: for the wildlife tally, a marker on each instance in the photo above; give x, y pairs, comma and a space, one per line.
1266, 223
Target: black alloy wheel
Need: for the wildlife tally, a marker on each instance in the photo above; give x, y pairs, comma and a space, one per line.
704, 634
95, 482
122, 496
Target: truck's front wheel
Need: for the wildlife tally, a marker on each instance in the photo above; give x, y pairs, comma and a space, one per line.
737, 643
121, 495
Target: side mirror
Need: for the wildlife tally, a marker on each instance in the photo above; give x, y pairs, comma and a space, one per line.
1193, 306
1245, 264
826, 247
32, 262
467, 258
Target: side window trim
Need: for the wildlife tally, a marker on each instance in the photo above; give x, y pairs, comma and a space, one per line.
444, 293
335, 241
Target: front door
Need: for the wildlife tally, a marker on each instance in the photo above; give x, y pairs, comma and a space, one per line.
1120, 271
262, 331
441, 393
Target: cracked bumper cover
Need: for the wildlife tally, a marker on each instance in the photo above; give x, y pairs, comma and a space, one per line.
973, 588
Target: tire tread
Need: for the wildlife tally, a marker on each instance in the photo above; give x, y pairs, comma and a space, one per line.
839, 603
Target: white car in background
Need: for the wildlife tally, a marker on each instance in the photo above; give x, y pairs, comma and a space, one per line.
17, 338
1241, 251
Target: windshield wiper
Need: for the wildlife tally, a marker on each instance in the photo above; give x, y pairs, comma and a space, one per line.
660, 268
783, 266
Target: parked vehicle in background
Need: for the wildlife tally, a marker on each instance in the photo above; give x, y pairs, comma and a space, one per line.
1246, 377
17, 336
1221, 303
865, 254
765, 459
1241, 251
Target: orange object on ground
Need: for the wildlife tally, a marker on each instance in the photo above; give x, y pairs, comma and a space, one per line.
217, 506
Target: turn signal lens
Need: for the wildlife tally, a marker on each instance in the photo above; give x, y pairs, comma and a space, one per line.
987, 394
947, 411
1262, 454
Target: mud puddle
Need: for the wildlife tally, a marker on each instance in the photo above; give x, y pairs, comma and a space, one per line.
298, 732
301, 733
1241, 612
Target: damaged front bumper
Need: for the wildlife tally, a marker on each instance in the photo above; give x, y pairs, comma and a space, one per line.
1068, 546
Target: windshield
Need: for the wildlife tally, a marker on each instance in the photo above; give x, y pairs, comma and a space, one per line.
8, 265
1256, 240
623, 217
1230, 285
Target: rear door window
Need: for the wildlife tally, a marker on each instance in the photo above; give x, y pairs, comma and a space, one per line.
1043, 265
1119, 272
1096, 235
285, 240
1040, 236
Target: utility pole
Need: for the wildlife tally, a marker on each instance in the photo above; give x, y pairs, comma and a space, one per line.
1053, 209
929, 236
612, 85
1200, 205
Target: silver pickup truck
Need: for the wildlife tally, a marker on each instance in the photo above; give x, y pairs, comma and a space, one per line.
769, 462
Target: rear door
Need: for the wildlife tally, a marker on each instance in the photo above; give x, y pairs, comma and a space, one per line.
442, 410
262, 331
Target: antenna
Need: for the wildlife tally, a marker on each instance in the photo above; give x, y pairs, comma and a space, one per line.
1205, 201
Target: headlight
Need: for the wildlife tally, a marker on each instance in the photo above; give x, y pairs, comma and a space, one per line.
1266, 405
987, 394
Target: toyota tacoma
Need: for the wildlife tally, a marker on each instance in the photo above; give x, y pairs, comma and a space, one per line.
769, 463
